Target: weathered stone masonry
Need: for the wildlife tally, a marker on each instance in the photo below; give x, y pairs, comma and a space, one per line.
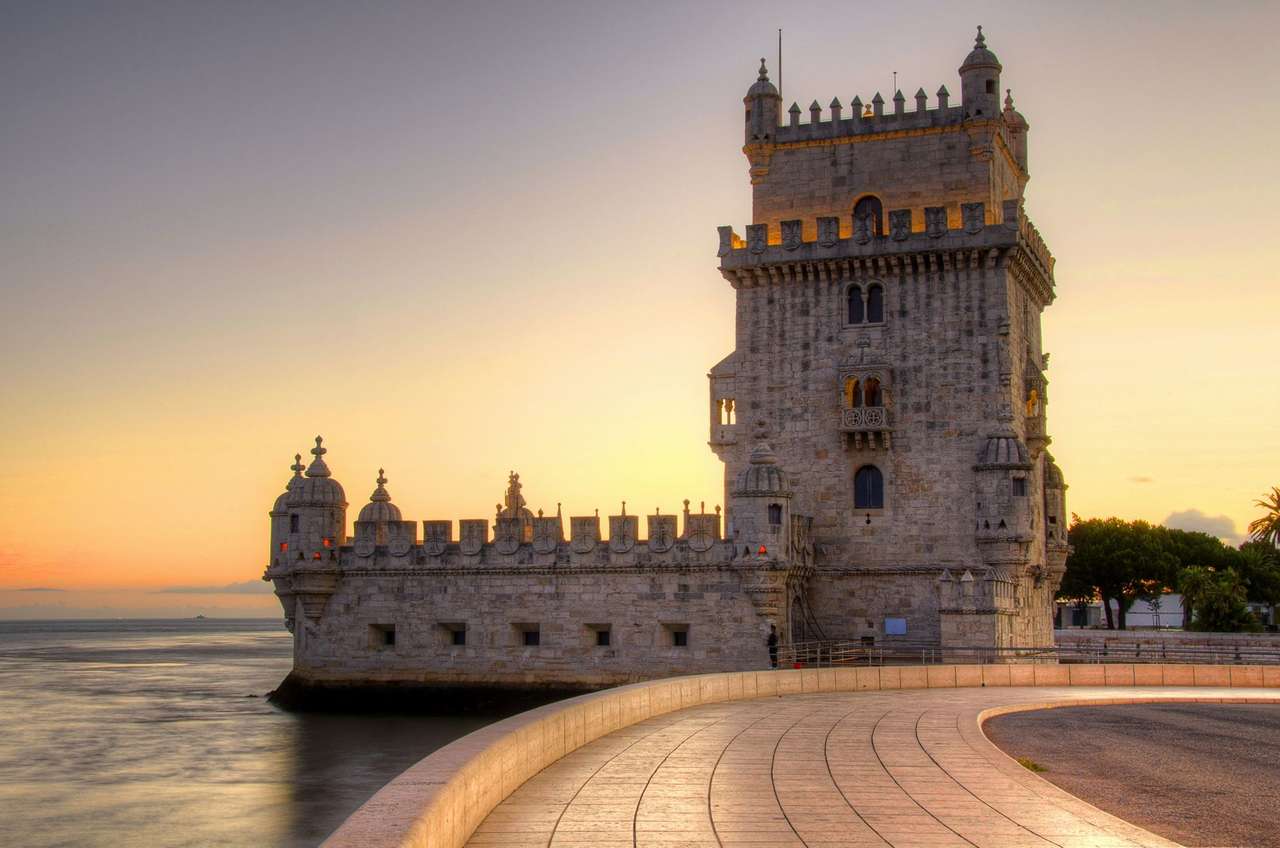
881, 421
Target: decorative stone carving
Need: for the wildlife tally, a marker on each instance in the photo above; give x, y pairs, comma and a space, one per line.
364, 546
436, 536
584, 533
702, 531
547, 533
473, 533
399, 546
757, 237
863, 229
726, 241
828, 231
662, 533
791, 235
974, 216
935, 221
623, 530
900, 224
507, 536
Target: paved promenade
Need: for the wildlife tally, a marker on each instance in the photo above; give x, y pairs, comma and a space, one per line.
853, 769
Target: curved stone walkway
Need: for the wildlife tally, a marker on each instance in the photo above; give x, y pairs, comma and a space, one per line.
838, 770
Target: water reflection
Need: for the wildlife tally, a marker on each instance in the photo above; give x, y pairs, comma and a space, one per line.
156, 733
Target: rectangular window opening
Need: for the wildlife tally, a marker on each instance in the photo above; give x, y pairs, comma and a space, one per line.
1020, 487
382, 635
455, 633
677, 635
529, 634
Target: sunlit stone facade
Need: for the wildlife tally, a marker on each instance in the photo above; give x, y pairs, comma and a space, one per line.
881, 422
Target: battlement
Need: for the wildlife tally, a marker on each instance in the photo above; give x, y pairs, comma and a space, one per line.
935, 229
870, 118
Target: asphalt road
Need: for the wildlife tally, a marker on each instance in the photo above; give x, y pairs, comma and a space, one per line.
1200, 774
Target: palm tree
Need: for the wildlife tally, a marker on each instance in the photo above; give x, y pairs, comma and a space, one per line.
1267, 528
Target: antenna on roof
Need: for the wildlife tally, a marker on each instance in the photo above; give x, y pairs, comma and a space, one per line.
779, 61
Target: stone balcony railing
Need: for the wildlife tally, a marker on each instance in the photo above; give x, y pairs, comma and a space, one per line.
865, 426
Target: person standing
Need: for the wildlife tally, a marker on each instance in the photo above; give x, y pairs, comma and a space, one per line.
772, 642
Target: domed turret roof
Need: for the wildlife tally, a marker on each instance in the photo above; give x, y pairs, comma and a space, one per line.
1011, 115
1004, 450
282, 502
762, 476
1052, 473
380, 508
980, 56
762, 86
318, 487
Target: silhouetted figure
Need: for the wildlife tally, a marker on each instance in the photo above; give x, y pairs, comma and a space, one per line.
772, 642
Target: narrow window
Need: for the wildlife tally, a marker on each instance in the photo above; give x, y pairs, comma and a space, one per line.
870, 207
284, 546
602, 638
294, 523
1020, 487
875, 304
991, 86
775, 514
852, 397
532, 638
458, 637
680, 638
382, 635
872, 392
1033, 404
855, 310
726, 411
868, 488
327, 542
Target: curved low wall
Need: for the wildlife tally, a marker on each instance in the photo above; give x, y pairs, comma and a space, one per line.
441, 800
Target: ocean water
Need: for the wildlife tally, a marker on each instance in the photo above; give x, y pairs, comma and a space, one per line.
144, 733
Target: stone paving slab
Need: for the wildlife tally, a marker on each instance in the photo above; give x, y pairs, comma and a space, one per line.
825, 770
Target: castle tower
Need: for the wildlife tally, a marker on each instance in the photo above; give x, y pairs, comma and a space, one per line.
316, 511
889, 292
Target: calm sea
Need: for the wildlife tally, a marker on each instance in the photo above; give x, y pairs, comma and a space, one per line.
156, 733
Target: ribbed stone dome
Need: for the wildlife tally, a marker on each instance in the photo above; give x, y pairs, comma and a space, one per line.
380, 508
1004, 450
282, 502
980, 56
318, 488
762, 476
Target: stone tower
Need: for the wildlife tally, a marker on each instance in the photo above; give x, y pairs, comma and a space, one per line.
889, 293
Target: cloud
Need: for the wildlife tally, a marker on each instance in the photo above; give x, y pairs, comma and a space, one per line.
1141, 479
1215, 525
37, 589
246, 587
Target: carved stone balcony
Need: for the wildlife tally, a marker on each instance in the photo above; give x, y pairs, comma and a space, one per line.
865, 426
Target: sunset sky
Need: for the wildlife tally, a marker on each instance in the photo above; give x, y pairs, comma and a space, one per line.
459, 239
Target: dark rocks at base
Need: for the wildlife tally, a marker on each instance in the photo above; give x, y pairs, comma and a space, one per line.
298, 695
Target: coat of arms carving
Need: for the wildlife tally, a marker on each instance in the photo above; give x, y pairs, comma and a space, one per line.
702, 532
662, 533
791, 235
974, 215
474, 533
585, 533
546, 535
757, 237
436, 536
506, 538
623, 530
828, 231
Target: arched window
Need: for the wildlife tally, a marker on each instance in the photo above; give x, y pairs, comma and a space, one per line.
852, 397
872, 393
868, 488
855, 312
1033, 404
294, 523
875, 304
870, 207
775, 514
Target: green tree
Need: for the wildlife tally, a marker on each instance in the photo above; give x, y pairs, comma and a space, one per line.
1259, 566
1193, 549
1267, 528
1121, 560
1220, 600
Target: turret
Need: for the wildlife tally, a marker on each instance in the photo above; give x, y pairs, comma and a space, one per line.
763, 114
1003, 487
380, 511
980, 81
317, 512
1017, 126
761, 507
280, 516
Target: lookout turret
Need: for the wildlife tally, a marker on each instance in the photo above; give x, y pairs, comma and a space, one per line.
980, 81
763, 111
